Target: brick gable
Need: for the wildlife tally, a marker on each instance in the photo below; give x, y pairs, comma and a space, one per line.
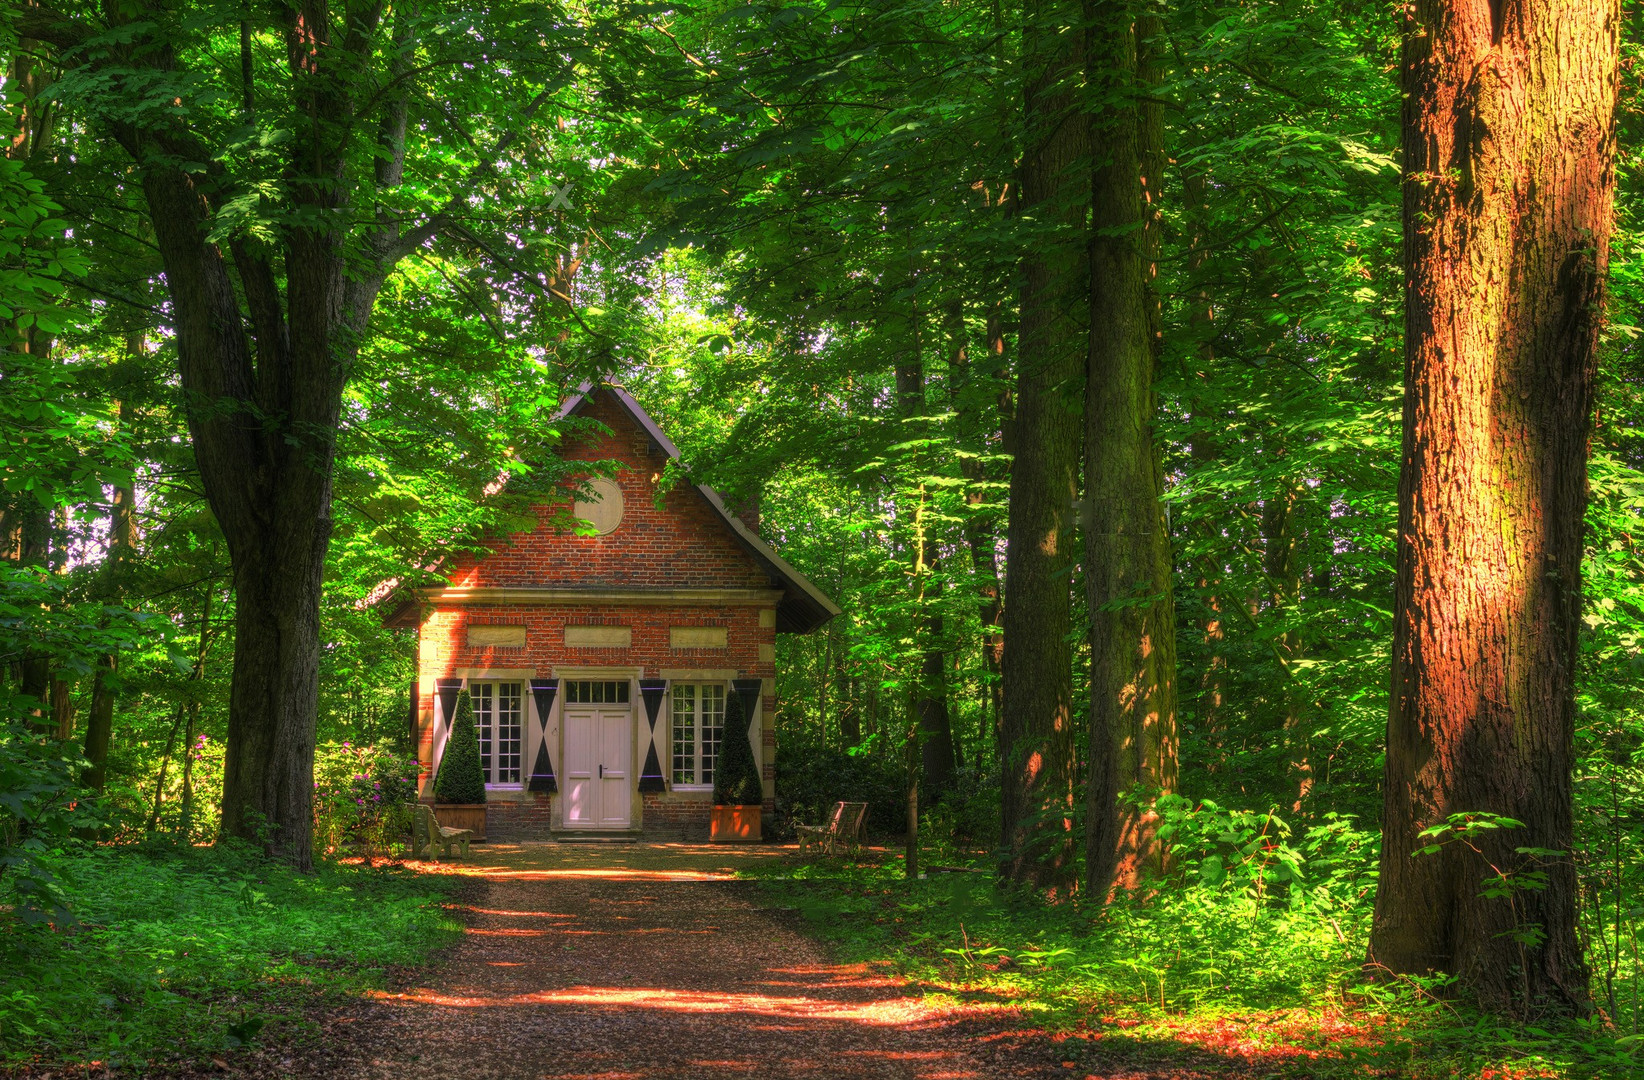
682, 544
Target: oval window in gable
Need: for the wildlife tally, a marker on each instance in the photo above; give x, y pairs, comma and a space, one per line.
602, 506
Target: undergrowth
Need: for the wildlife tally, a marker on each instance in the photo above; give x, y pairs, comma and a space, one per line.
181, 953
1250, 955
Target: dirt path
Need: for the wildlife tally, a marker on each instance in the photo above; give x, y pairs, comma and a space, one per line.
646, 963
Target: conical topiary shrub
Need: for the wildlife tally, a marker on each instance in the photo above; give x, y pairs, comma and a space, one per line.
460, 779
736, 776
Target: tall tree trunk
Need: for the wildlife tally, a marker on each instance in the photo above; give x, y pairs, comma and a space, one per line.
1283, 572
910, 847
1036, 743
263, 422
1127, 550
1203, 449
1509, 149
185, 827
100, 722
33, 549
850, 715
979, 438
165, 763
930, 705
27, 534
62, 708
936, 752
1211, 699
265, 343
122, 534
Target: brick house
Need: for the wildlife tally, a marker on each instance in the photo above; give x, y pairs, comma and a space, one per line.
599, 666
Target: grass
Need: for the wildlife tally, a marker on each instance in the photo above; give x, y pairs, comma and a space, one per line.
1197, 977
183, 953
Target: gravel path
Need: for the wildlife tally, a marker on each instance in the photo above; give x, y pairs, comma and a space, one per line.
653, 963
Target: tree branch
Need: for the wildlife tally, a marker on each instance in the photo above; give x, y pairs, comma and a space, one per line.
52, 27
528, 277
410, 241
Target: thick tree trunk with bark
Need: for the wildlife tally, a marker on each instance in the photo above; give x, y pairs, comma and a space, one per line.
267, 331
1127, 550
1509, 144
1036, 729
263, 411
263, 430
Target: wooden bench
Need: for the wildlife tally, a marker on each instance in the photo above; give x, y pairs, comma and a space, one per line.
841, 832
426, 831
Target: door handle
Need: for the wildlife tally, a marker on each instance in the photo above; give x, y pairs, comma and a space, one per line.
602, 772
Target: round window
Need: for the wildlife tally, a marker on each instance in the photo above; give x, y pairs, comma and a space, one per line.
602, 507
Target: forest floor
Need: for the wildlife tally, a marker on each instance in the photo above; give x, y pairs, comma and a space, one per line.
629, 962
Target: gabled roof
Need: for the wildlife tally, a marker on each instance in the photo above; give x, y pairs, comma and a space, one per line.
803, 607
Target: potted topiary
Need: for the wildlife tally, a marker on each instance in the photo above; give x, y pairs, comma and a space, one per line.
739, 797
459, 787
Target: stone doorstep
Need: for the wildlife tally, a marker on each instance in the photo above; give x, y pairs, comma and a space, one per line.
595, 837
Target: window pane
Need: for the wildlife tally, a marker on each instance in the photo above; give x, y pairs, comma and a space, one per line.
596, 692
711, 718
684, 733
480, 694
509, 717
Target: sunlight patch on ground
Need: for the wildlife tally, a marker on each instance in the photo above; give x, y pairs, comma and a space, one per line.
494, 873
892, 1013
636, 930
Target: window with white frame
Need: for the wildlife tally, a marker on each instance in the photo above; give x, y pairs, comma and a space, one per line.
499, 714
699, 721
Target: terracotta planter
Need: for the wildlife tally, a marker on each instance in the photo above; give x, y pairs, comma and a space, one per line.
462, 816
736, 824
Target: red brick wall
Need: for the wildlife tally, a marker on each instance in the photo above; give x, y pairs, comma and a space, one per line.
444, 640
675, 817
684, 544
529, 820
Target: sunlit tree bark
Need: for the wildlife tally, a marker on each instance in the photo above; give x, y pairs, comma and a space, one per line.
1509, 144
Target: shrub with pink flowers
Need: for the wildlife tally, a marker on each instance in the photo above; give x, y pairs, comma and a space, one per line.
364, 797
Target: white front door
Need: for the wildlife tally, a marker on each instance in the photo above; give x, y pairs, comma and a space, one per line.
598, 753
